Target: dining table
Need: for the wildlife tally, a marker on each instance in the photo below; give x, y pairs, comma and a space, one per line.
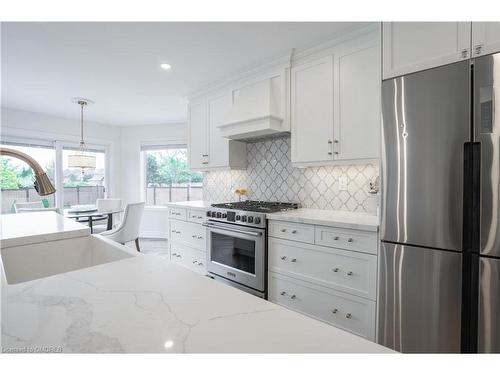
91, 214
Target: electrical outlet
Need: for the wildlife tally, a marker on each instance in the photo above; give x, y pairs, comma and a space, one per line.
342, 183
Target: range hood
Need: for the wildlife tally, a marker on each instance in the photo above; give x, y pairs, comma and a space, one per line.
258, 110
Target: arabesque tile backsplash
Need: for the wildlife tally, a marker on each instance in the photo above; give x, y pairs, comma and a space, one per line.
270, 176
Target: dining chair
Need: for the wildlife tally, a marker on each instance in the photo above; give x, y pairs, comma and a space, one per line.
103, 205
128, 230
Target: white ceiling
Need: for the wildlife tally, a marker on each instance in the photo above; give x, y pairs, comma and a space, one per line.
44, 65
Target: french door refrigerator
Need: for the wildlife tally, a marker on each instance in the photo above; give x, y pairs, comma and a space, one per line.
439, 271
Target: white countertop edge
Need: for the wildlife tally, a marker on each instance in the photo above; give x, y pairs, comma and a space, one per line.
45, 237
194, 205
302, 216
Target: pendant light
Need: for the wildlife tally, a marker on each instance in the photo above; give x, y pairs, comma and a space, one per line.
81, 159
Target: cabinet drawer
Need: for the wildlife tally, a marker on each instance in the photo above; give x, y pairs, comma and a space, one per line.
353, 314
188, 257
291, 231
190, 234
177, 213
196, 216
356, 240
347, 271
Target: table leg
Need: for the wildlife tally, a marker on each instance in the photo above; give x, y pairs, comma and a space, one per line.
90, 225
110, 222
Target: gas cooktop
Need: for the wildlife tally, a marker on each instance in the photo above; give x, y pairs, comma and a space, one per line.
257, 206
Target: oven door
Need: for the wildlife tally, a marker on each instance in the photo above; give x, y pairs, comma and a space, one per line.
237, 253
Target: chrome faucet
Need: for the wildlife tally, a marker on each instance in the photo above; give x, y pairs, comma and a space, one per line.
42, 183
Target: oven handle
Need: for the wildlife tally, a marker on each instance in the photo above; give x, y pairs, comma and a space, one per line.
256, 234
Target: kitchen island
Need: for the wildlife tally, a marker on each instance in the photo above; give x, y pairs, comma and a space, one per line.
145, 304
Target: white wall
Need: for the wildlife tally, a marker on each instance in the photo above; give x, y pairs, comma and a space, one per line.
24, 124
132, 137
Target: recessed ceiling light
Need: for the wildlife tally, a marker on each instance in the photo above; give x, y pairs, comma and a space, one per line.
165, 66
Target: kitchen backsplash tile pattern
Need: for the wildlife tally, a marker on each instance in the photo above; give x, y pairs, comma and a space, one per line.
270, 176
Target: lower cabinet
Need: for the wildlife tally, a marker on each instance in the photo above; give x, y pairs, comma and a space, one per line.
354, 314
188, 257
187, 239
332, 277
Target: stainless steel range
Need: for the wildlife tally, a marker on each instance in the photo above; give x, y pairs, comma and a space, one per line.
237, 243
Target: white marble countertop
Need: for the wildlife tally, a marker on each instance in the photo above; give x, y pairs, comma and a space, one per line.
149, 304
34, 227
191, 204
341, 219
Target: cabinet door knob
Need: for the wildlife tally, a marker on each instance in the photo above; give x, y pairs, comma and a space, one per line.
348, 316
283, 257
293, 260
336, 238
283, 230
293, 296
283, 293
294, 231
335, 269
349, 273
334, 311
350, 240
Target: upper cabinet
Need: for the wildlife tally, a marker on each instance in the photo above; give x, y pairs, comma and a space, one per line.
335, 103
208, 150
485, 38
412, 46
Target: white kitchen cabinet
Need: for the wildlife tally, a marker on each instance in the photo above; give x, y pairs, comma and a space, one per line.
312, 111
413, 46
207, 148
197, 135
335, 104
485, 38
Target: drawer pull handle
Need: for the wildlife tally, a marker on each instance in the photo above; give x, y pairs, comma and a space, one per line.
293, 296
200, 264
350, 240
349, 273
348, 316
194, 236
334, 311
283, 230
336, 238
200, 237
293, 260
283, 293
283, 257
195, 261
174, 254
335, 269
294, 231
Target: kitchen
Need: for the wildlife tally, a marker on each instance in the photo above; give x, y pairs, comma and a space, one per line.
347, 193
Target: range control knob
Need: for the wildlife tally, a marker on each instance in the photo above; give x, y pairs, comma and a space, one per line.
250, 219
224, 215
209, 213
219, 215
238, 217
257, 220
244, 218
213, 214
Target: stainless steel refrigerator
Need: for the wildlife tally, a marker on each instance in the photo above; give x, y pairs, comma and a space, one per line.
439, 277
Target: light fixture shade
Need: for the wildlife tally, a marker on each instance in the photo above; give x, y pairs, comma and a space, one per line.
81, 161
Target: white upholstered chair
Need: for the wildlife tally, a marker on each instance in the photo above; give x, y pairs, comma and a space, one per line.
103, 205
128, 230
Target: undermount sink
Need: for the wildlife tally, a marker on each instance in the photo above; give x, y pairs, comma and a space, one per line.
34, 261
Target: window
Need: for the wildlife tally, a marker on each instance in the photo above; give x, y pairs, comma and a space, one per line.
167, 178
83, 187
17, 177
73, 187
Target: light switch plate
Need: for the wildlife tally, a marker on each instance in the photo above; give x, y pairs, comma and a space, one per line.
342, 183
